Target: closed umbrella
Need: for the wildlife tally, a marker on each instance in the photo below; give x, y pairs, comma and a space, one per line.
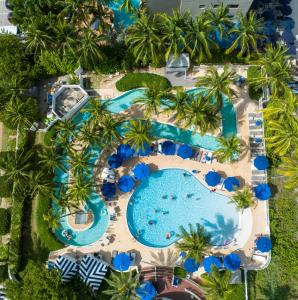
185, 151
108, 189
231, 184
261, 162
211, 261
126, 183
212, 178
232, 262
262, 191
168, 148
121, 262
125, 151
191, 265
141, 171
115, 161
146, 291
264, 244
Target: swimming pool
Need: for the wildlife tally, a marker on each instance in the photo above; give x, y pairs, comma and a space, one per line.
174, 197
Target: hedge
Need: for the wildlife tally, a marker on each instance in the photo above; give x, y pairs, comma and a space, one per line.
3, 273
5, 187
138, 80
3, 252
4, 221
254, 94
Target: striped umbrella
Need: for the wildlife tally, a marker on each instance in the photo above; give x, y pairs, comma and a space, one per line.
92, 271
67, 266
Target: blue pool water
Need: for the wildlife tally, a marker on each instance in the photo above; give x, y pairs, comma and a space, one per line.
193, 203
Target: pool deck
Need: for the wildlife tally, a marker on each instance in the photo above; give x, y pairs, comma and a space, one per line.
118, 236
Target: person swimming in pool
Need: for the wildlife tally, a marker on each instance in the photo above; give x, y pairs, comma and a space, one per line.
168, 235
151, 222
166, 212
174, 197
164, 197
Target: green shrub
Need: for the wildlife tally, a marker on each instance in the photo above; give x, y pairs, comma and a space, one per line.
3, 252
4, 221
5, 187
49, 135
138, 80
254, 93
180, 272
3, 273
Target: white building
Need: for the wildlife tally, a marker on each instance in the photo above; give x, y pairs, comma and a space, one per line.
197, 6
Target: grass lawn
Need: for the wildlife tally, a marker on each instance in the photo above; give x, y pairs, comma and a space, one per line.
7, 142
39, 138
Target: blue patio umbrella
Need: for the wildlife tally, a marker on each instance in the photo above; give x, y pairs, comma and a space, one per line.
288, 36
231, 183
258, 123
185, 151
121, 262
191, 265
286, 10
146, 291
168, 148
262, 191
264, 244
261, 162
141, 171
115, 161
182, 254
108, 189
287, 23
292, 49
268, 15
232, 262
125, 151
212, 178
211, 261
125, 183
258, 140
284, 2
145, 151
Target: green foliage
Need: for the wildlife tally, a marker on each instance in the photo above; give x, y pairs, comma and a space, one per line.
4, 221
180, 272
3, 273
49, 135
229, 150
4, 252
252, 72
5, 187
138, 80
243, 198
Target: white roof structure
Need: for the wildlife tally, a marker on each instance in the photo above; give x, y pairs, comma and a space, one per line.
5, 25
181, 63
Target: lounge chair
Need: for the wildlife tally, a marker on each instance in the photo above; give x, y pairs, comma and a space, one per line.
159, 149
133, 258
176, 281
209, 158
259, 258
258, 172
110, 180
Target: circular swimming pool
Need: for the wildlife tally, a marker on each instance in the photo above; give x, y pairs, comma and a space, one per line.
170, 198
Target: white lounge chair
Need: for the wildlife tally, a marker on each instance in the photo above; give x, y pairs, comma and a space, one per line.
209, 158
159, 149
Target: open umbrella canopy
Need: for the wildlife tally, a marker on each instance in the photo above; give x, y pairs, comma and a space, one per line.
141, 171
185, 151
191, 265
145, 151
211, 261
115, 161
292, 49
286, 10
264, 244
67, 266
212, 178
121, 262
232, 262
288, 36
231, 184
125, 151
262, 191
146, 291
268, 15
126, 183
287, 23
261, 162
108, 189
168, 148
284, 2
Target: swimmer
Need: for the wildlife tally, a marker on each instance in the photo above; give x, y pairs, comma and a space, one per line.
138, 234
173, 197
157, 210
64, 233
213, 190
166, 212
198, 198
168, 235
189, 195
151, 222
164, 197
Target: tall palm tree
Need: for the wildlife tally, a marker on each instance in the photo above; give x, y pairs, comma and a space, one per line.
289, 168
194, 242
172, 32
198, 37
138, 134
282, 136
79, 161
80, 190
217, 284
243, 198
40, 183
177, 104
74, 8
247, 35
143, 40
89, 135
97, 109
122, 285
65, 128
200, 115
49, 159
218, 85
108, 129
220, 18
229, 150
52, 219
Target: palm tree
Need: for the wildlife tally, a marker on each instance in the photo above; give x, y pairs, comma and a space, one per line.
79, 161
138, 134
220, 18
75, 8
122, 285
65, 128
289, 168
195, 242
247, 34
49, 159
172, 32
52, 219
40, 184
198, 37
97, 109
243, 198
229, 150
127, 6
143, 40
108, 129
177, 104
217, 284
282, 136
89, 135
199, 114
218, 85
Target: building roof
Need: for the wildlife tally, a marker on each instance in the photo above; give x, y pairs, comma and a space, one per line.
182, 61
